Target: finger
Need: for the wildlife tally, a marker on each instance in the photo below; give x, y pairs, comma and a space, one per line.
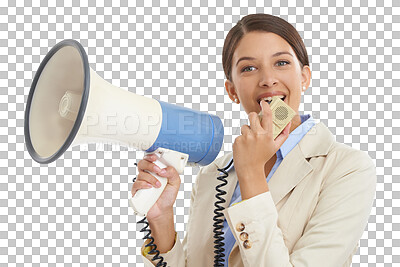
140, 185
266, 121
281, 138
145, 176
244, 129
170, 173
145, 165
254, 121
150, 157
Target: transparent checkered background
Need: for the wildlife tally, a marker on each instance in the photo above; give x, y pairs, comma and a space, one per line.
75, 210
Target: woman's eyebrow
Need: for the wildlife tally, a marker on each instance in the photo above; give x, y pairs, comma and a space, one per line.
274, 55
281, 53
244, 58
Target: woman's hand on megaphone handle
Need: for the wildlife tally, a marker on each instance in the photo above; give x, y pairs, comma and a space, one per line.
145, 180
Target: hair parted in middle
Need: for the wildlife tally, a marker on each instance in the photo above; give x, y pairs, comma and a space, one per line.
262, 23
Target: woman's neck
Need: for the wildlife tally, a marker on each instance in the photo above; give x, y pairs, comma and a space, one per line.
296, 121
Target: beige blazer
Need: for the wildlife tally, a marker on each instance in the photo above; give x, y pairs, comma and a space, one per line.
318, 205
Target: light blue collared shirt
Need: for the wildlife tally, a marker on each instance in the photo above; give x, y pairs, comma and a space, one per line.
307, 122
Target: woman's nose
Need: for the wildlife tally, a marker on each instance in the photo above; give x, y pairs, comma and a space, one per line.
267, 79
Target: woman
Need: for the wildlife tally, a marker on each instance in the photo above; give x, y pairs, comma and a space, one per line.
299, 200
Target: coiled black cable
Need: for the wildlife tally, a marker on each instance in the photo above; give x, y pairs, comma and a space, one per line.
219, 256
148, 236
151, 244
218, 226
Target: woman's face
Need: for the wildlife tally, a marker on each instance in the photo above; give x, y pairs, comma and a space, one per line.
264, 64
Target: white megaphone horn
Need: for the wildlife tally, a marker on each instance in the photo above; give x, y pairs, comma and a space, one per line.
70, 104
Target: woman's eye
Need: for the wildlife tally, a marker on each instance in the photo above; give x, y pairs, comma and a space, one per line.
248, 68
282, 63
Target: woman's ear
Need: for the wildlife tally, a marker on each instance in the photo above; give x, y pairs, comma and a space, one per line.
230, 89
306, 77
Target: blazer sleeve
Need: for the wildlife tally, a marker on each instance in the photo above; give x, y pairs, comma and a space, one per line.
332, 232
177, 255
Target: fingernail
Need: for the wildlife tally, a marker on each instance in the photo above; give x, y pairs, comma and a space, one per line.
158, 184
156, 168
163, 172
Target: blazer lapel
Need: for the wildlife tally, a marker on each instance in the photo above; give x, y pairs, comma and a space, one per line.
295, 166
290, 172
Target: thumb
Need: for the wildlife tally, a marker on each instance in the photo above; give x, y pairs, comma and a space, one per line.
172, 175
281, 138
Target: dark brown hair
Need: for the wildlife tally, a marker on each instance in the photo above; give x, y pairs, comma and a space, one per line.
263, 23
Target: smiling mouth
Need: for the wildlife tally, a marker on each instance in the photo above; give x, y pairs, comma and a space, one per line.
269, 99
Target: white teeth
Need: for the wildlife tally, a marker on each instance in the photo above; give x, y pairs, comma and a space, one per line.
270, 98
266, 98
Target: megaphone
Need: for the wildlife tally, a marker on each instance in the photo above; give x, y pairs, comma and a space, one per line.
70, 104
